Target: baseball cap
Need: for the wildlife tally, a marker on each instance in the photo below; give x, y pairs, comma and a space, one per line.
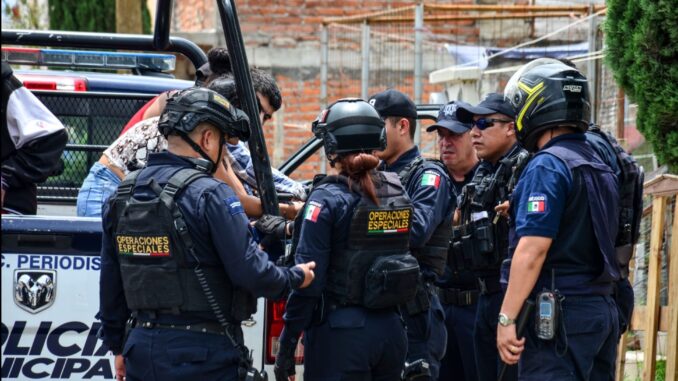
493, 103
393, 103
447, 118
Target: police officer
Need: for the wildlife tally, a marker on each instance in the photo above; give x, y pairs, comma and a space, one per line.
356, 228
458, 288
564, 222
428, 185
483, 234
178, 260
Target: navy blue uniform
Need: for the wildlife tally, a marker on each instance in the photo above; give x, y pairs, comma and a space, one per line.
340, 343
220, 231
430, 190
581, 256
459, 298
488, 362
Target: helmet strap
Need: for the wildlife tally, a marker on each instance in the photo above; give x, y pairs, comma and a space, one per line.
202, 153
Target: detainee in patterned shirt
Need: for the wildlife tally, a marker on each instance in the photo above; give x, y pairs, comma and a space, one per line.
130, 152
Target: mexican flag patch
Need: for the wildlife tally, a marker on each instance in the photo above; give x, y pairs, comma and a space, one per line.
536, 203
312, 211
430, 179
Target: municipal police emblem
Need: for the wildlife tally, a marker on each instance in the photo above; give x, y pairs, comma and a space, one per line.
34, 290
449, 110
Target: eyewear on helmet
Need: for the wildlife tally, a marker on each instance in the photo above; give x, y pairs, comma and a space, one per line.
484, 123
267, 116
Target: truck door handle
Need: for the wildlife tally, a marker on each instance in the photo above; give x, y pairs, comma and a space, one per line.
249, 322
51, 241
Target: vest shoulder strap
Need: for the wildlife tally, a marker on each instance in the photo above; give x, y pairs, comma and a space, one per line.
127, 185
406, 173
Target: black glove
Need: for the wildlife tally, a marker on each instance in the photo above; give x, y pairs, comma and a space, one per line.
271, 225
284, 361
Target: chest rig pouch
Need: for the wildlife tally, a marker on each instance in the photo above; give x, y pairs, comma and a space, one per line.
153, 243
376, 269
482, 238
434, 253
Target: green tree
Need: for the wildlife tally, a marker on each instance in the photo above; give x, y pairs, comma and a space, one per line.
89, 15
642, 50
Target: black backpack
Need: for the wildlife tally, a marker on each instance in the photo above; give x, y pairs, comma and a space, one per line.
631, 180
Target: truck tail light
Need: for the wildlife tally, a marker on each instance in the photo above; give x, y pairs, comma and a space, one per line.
273, 329
53, 83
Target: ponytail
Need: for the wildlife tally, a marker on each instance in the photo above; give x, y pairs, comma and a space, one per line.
358, 167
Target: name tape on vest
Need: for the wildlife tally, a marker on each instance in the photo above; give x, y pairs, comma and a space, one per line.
143, 245
389, 221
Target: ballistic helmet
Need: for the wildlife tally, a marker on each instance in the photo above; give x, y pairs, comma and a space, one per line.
350, 125
547, 93
188, 108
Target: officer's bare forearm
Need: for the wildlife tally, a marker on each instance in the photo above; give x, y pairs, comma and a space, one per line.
525, 268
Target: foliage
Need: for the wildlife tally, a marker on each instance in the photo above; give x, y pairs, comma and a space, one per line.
90, 15
82, 15
642, 50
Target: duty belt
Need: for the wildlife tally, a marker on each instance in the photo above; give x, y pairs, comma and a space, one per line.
458, 297
206, 327
489, 285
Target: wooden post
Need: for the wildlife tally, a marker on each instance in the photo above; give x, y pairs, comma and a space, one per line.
128, 16
621, 349
653, 277
672, 350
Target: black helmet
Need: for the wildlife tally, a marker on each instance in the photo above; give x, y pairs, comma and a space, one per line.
350, 125
190, 107
547, 93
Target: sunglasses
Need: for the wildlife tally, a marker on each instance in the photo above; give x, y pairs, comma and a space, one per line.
267, 116
484, 123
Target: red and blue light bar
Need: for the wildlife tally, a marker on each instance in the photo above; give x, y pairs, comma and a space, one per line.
89, 59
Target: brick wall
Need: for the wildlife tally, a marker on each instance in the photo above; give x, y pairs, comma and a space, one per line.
284, 37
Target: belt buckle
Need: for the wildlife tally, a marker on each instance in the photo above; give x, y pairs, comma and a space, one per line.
147, 325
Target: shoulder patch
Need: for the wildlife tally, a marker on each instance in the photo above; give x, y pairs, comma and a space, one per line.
312, 211
430, 178
537, 203
234, 206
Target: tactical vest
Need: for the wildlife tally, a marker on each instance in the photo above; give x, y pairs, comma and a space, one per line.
153, 244
481, 242
375, 269
433, 255
581, 264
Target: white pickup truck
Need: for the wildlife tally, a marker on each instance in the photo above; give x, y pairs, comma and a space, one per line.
50, 294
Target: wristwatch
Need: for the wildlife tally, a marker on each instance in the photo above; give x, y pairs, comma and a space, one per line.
505, 321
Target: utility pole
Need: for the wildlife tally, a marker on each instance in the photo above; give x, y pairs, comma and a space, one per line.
128, 16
